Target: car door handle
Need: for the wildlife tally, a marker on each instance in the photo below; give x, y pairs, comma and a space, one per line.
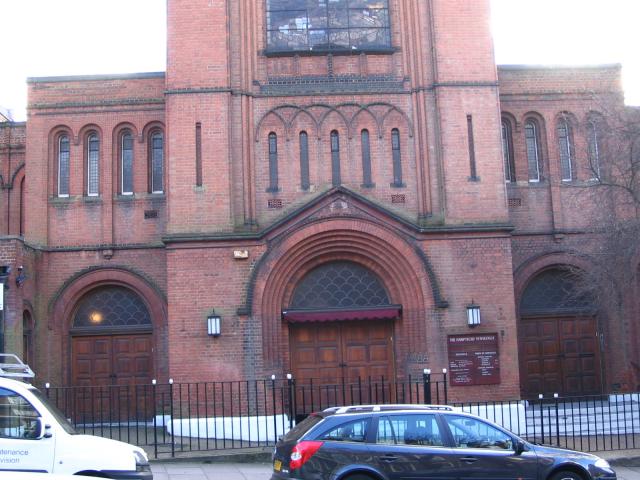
469, 459
388, 458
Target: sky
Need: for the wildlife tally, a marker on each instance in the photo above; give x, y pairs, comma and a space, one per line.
82, 37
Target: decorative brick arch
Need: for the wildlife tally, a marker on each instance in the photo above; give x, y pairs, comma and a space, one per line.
383, 251
67, 298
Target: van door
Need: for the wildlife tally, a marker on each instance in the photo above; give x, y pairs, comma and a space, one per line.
20, 445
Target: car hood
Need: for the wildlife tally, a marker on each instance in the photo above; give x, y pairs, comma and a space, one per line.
564, 453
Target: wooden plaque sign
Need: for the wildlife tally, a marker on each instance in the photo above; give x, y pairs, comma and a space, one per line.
474, 359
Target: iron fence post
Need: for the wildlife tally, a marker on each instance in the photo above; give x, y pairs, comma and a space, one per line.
555, 398
446, 393
275, 420
426, 385
290, 386
155, 418
540, 397
173, 429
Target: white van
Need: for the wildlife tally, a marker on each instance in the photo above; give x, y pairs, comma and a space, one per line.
35, 436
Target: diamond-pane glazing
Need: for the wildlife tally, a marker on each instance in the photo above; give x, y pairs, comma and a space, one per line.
339, 285
552, 292
111, 307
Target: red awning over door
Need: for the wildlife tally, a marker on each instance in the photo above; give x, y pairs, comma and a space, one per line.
387, 312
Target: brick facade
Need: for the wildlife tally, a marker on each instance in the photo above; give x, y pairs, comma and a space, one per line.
439, 239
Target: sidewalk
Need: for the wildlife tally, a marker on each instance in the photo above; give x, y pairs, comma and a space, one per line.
626, 464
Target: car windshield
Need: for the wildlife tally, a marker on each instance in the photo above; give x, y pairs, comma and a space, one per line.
57, 414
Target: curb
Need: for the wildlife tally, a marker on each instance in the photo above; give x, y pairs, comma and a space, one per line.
261, 456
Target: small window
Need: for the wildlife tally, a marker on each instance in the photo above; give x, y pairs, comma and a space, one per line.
507, 152
594, 133
93, 165
320, 26
417, 429
565, 149
397, 161
63, 166
156, 162
355, 431
335, 158
305, 182
18, 418
366, 159
533, 150
469, 432
273, 163
126, 160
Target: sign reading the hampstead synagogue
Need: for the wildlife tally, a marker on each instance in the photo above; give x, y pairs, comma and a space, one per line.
473, 359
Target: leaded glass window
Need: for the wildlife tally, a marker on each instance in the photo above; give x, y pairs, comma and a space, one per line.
397, 162
594, 145
566, 150
273, 163
111, 307
507, 152
339, 285
63, 166
157, 162
335, 158
366, 159
127, 163
304, 161
554, 292
533, 150
327, 25
93, 165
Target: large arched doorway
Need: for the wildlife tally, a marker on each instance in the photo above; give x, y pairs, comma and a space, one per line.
559, 338
111, 339
341, 326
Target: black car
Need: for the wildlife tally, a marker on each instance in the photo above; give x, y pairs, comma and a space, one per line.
391, 442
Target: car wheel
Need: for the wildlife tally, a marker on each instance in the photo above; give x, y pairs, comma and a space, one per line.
359, 476
566, 475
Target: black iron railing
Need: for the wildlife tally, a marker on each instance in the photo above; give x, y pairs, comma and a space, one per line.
174, 418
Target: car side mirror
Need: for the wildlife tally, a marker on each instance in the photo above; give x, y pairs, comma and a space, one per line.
518, 446
42, 430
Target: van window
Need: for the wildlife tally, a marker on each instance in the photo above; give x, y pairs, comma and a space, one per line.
18, 418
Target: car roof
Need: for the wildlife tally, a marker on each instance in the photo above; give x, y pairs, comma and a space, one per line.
386, 408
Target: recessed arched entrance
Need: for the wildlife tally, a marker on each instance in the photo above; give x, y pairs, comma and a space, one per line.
559, 338
341, 326
111, 338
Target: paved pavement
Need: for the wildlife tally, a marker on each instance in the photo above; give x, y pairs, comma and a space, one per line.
201, 470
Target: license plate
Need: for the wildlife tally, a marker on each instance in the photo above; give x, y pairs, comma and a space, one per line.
277, 465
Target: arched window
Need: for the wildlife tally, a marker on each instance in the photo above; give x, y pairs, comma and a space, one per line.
304, 161
594, 140
27, 337
93, 165
273, 163
156, 162
126, 160
335, 158
397, 161
339, 284
507, 152
112, 308
565, 149
63, 166
366, 159
532, 141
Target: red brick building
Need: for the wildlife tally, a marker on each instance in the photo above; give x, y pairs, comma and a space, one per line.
329, 180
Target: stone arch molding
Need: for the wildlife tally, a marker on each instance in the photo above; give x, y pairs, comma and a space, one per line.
381, 250
286, 115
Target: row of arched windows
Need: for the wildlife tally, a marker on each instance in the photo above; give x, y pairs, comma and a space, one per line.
126, 163
336, 180
564, 136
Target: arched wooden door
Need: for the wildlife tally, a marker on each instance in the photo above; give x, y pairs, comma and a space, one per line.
341, 335
112, 353
559, 338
